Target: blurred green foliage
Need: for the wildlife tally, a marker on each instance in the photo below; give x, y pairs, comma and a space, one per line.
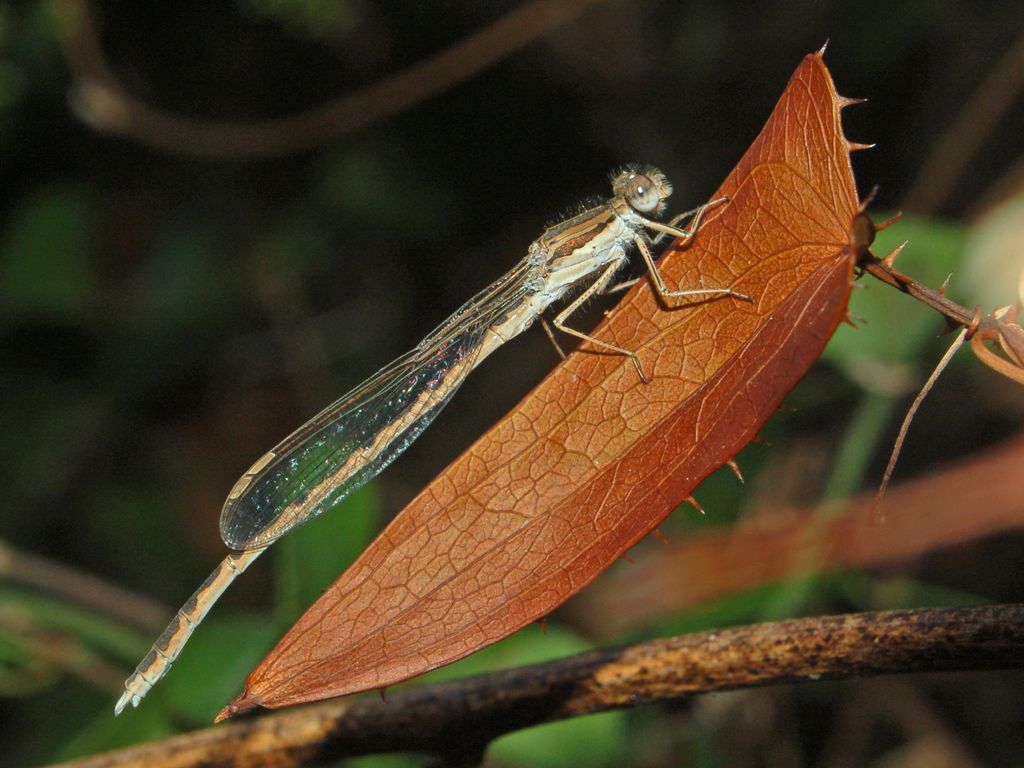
47, 255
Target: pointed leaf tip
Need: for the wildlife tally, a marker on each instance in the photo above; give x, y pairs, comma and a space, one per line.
237, 706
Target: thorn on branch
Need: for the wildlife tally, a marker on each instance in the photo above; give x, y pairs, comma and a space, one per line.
890, 259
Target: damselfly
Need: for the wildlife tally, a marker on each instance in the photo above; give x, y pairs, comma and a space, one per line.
353, 439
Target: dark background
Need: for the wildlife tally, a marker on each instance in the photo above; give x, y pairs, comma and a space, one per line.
164, 319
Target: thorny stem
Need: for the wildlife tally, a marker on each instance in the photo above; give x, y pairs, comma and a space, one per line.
862, 236
956, 314
976, 326
999, 326
979, 327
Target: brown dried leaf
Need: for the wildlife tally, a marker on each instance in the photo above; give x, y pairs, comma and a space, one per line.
593, 459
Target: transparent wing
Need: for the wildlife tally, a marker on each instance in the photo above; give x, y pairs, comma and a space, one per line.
354, 438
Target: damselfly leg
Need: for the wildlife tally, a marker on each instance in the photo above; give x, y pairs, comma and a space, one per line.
597, 287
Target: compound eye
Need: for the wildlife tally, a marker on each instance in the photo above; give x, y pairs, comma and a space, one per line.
642, 194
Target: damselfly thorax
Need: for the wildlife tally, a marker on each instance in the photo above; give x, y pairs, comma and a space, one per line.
357, 436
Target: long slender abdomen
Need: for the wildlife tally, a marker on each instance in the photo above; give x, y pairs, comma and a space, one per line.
167, 647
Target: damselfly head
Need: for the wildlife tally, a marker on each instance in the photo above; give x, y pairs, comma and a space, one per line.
645, 188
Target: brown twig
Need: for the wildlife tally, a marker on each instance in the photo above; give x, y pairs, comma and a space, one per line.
467, 714
999, 326
100, 99
956, 314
